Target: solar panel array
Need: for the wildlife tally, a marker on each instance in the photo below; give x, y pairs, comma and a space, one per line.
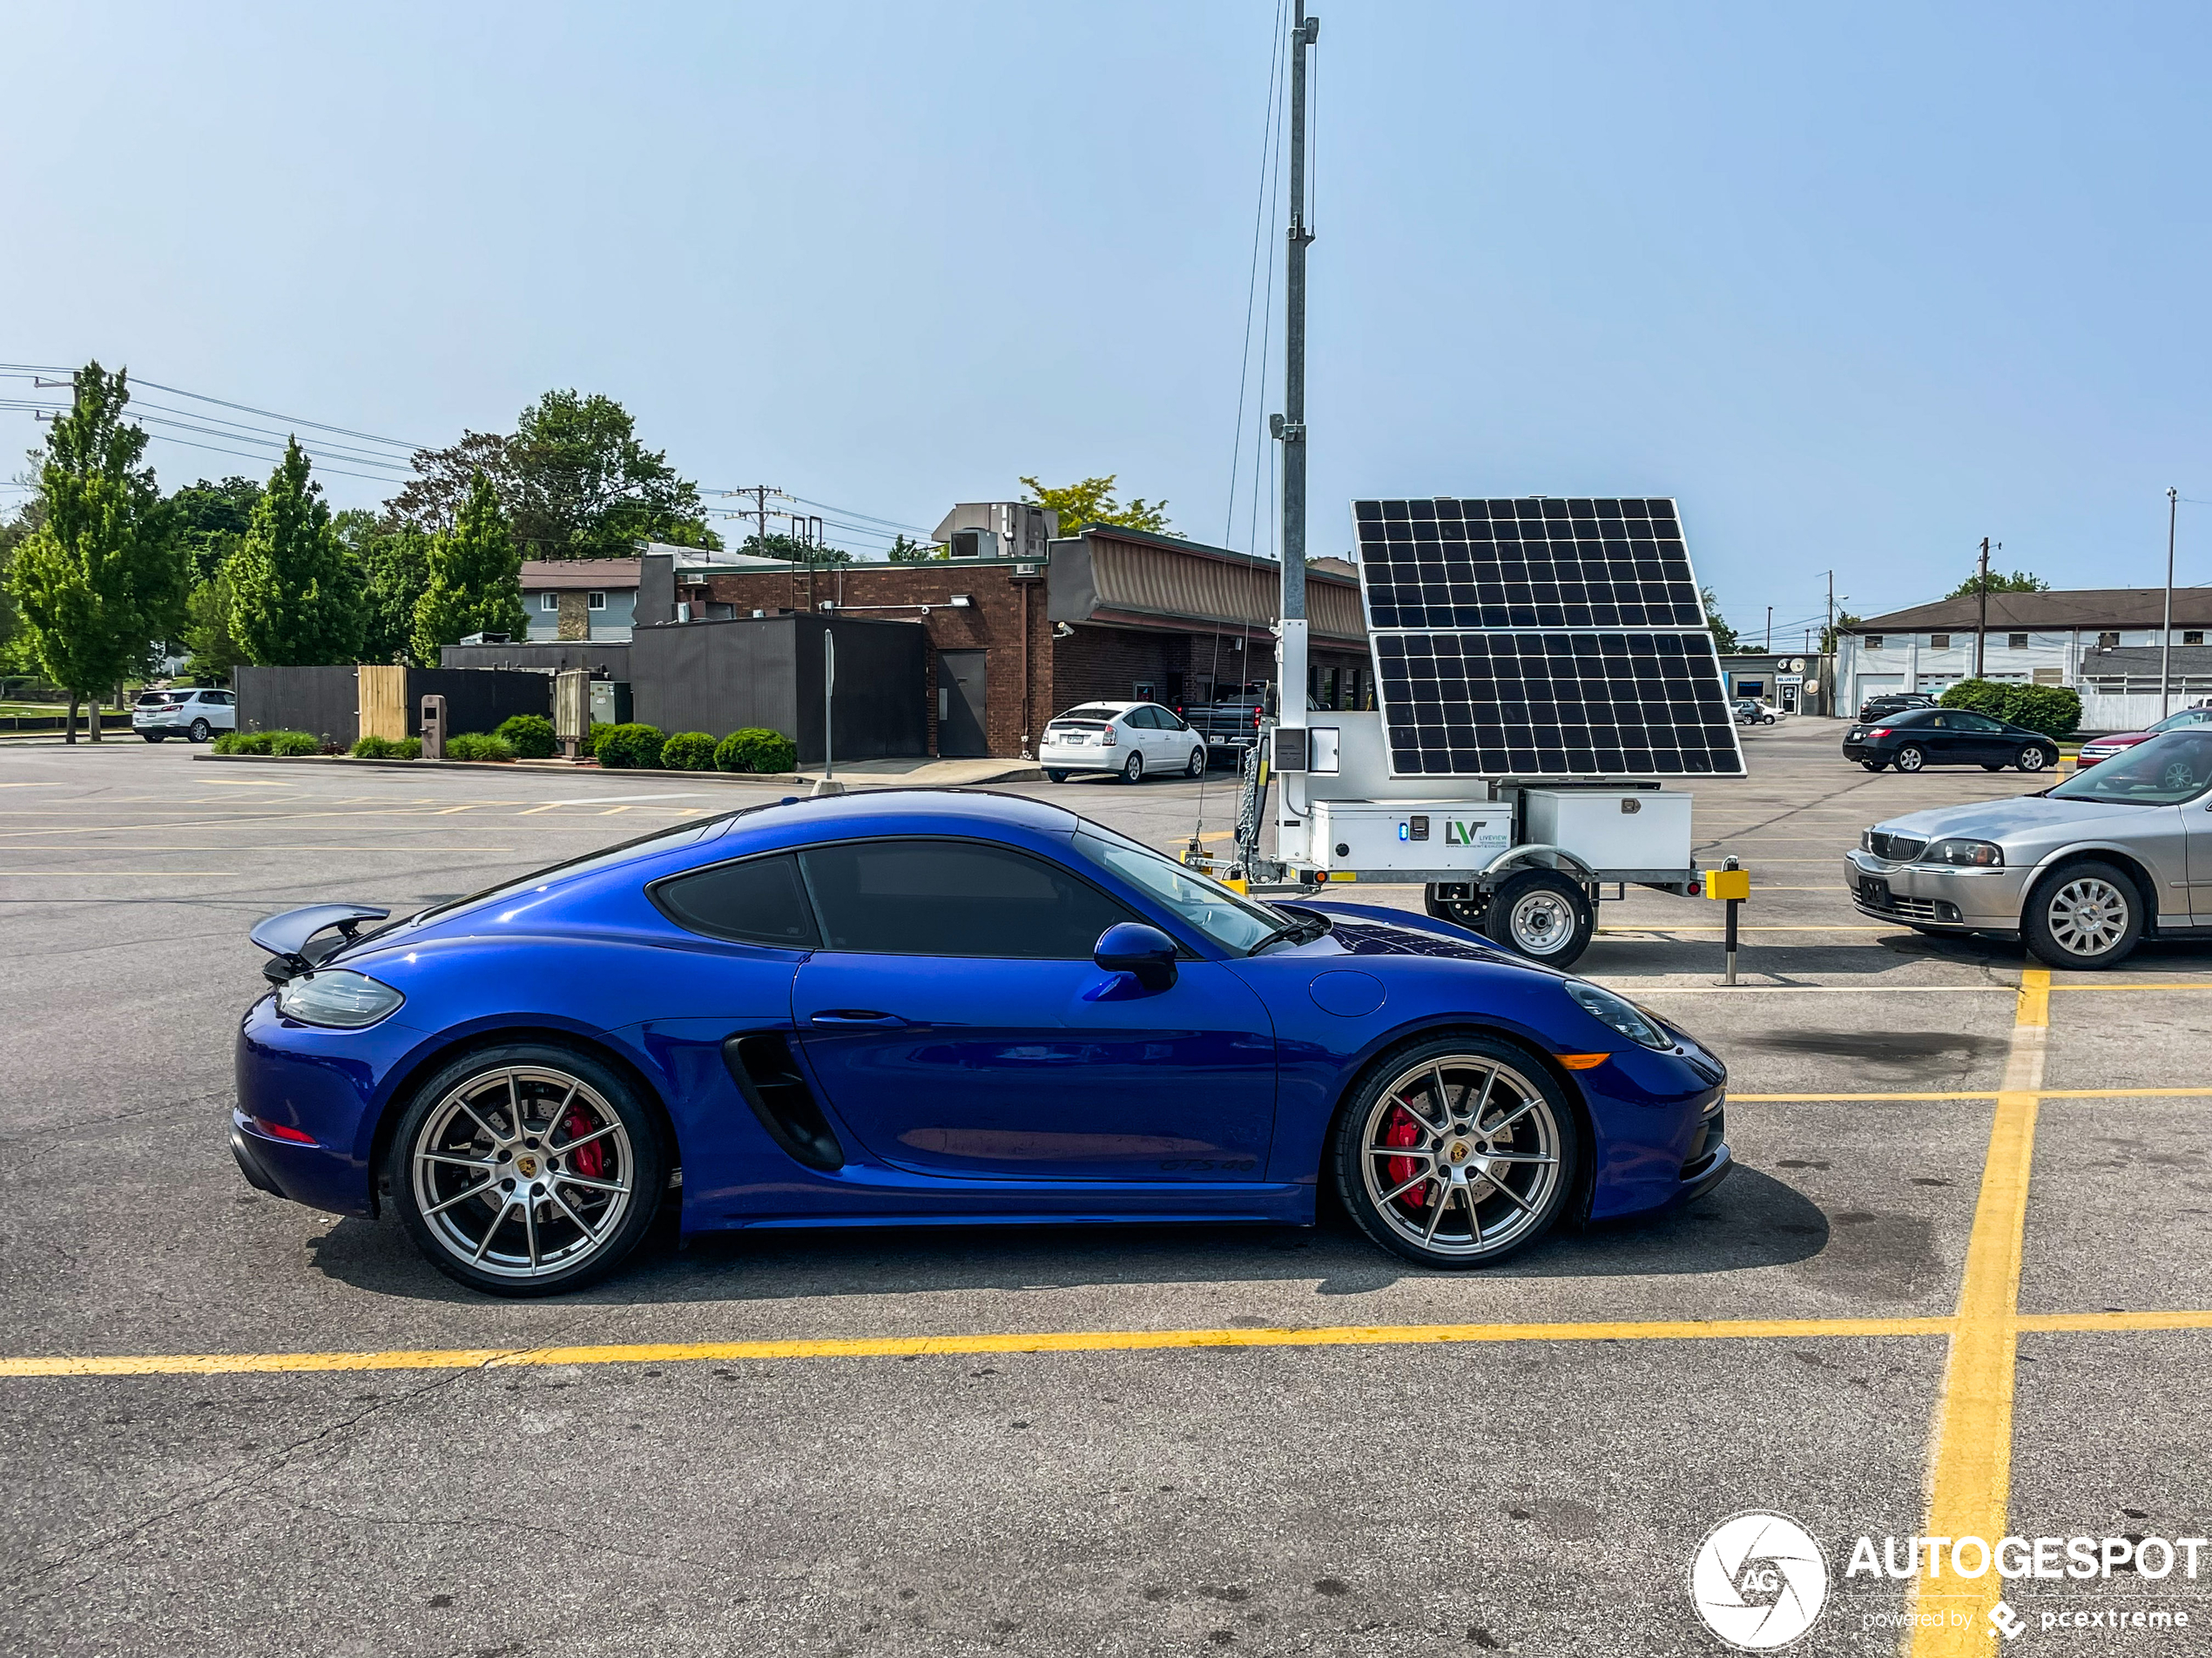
1541, 638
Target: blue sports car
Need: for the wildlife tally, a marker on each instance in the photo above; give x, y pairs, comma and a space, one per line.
924, 1006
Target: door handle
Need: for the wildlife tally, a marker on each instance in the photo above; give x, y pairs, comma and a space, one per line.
855, 1016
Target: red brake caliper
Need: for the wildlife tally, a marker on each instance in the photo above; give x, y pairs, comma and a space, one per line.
1401, 1129
589, 1161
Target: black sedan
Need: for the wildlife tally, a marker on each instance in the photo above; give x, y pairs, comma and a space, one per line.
1919, 737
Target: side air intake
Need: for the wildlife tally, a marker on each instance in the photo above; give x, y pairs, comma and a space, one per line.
761, 1064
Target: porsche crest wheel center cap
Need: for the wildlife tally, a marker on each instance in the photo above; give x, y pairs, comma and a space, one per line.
526, 1167
1461, 1151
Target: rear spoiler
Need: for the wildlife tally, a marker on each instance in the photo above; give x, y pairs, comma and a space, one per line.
285, 936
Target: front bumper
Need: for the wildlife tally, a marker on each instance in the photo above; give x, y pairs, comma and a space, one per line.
1965, 901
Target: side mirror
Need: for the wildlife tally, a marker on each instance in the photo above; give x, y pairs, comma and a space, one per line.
1143, 952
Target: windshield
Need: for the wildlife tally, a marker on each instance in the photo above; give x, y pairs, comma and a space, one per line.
1234, 923
2164, 771
2187, 717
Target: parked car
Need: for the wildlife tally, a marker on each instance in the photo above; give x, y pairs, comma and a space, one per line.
931, 1005
195, 716
2084, 870
2103, 748
1921, 738
1750, 710
1894, 702
1131, 738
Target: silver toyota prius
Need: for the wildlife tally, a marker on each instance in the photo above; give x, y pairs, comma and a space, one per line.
2084, 872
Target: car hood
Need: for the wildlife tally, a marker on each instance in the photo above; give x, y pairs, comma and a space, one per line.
2125, 737
2027, 815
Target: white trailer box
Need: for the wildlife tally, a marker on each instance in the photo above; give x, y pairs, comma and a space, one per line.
1383, 835
1611, 829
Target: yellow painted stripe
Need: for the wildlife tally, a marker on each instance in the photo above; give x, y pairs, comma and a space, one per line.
1071, 1341
1970, 1484
2041, 1094
2172, 984
2177, 1319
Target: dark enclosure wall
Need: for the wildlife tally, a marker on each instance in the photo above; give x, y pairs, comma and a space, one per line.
724, 676
478, 699
323, 702
604, 660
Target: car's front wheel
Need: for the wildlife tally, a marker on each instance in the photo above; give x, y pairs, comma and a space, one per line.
2084, 916
1910, 759
1133, 768
1056, 777
1542, 914
1196, 767
1456, 1152
2031, 758
527, 1170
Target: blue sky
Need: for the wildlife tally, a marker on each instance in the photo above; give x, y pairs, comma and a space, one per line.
1858, 285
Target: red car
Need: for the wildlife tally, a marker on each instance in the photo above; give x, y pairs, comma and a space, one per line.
2103, 748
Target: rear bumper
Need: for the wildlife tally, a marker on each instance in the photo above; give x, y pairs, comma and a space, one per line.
1081, 759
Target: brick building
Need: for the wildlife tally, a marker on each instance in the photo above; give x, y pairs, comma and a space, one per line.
1111, 613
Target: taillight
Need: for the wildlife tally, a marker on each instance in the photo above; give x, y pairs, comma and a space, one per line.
1879, 731
278, 1131
1107, 740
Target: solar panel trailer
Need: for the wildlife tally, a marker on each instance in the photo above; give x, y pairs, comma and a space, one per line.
1543, 669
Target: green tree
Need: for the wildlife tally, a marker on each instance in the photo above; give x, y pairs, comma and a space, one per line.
214, 648
102, 580
915, 552
433, 499
585, 487
475, 578
395, 567
794, 550
1092, 502
16, 657
1828, 634
2019, 581
211, 519
295, 592
1724, 639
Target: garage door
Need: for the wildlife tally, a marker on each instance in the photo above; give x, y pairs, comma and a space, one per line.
1873, 684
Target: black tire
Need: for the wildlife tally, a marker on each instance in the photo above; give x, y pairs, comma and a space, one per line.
153, 736
1057, 777
465, 1109
2084, 902
1396, 1104
1987, 766
1133, 768
1197, 765
2032, 758
201, 731
1911, 757
1542, 914
1464, 912
1874, 765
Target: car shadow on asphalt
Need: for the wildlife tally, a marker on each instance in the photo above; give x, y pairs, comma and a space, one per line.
1751, 1221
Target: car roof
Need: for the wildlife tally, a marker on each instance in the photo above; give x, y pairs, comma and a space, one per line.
795, 822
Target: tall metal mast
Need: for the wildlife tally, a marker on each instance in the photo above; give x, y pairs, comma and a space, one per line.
1290, 426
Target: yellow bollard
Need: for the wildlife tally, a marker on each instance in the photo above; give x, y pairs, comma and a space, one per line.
1733, 885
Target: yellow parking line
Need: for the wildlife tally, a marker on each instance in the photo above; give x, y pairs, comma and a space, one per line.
1970, 1488
1071, 1341
2092, 1322
2144, 984
2041, 1094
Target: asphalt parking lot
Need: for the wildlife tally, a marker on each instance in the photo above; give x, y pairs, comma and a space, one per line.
1963, 1263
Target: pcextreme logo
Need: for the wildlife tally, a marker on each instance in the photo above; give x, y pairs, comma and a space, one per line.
1758, 1580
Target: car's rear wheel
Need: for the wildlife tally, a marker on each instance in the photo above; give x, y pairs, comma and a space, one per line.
2084, 916
1456, 1152
1196, 767
1911, 758
1542, 914
527, 1170
2032, 759
1057, 777
1133, 768
201, 731
153, 736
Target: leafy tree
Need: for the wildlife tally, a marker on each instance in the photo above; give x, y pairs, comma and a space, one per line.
432, 501
102, 579
794, 550
1724, 637
2019, 581
15, 529
211, 519
214, 647
1092, 502
1843, 624
395, 570
586, 487
295, 592
475, 578
915, 552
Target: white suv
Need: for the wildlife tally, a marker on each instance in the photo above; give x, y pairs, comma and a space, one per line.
1131, 738
193, 715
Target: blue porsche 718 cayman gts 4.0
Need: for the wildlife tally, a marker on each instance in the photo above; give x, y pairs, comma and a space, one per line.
924, 1006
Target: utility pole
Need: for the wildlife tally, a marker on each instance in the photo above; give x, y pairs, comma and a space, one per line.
2166, 638
1981, 618
1290, 426
1769, 630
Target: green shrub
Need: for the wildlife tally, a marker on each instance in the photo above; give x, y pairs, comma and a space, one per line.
756, 749
243, 743
635, 747
2053, 709
387, 748
688, 752
292, 743
530, 735
476, 745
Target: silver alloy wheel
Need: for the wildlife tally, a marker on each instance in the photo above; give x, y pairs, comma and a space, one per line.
1133, 768
201, 731
1461, 1155
2178, 775
2032, 758
1910, 759
1198, 767
1542, 923
2088, 916
522, 1171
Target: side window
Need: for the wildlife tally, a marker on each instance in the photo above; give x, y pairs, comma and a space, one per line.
757, 902
954, 898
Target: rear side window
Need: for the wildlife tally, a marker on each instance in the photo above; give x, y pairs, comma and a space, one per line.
757, 902
954, 898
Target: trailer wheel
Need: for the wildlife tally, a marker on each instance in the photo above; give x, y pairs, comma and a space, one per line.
1455, 903
1543, 916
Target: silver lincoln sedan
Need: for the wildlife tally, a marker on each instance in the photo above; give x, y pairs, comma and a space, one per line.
2083, 871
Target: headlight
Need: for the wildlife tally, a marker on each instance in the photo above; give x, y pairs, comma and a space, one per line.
1974, 854
1867, 840
348, 1000
1618, 1012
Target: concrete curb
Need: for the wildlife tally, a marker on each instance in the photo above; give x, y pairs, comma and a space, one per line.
1014, 770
